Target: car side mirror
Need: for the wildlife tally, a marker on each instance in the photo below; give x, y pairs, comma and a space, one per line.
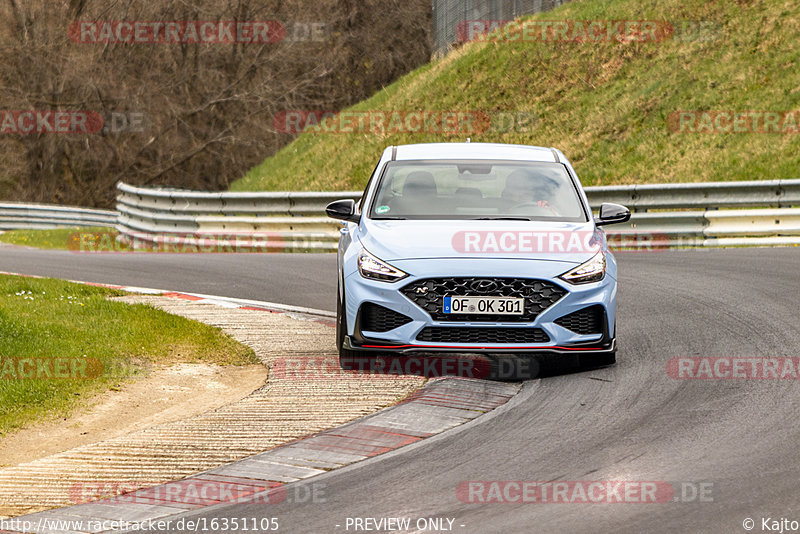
344, 210
612, 214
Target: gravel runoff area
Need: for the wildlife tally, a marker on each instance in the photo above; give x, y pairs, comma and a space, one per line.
304, 394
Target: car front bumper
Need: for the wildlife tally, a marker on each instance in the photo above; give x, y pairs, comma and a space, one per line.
403, 339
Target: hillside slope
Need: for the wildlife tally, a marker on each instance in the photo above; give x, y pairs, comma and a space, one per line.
608, 105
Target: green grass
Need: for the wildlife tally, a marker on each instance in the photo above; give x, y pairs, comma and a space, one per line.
47, 319
58, 238
604, 104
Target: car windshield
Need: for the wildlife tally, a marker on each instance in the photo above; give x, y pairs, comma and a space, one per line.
476, 189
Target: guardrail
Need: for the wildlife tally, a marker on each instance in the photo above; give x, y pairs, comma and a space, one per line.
705, 214
295, 219
18, 215
692, 214
706, 195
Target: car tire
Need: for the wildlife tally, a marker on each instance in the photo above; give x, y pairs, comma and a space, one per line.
346, 356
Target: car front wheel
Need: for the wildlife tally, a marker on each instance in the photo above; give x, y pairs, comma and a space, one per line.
346, 356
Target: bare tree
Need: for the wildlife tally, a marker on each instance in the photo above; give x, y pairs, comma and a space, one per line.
206, 108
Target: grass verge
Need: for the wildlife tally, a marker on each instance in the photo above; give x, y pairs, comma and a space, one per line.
57, 238
61, 343
606, 104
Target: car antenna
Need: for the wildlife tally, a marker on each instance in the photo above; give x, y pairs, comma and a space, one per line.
469, 140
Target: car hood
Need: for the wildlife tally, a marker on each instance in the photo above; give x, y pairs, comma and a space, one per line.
536, 240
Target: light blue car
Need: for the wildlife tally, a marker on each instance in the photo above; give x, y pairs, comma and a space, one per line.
475, 248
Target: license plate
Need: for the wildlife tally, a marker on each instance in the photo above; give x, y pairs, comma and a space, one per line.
484, 305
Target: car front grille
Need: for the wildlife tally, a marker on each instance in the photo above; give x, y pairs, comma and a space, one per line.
467, 334
586, 321
429, 295
375, 318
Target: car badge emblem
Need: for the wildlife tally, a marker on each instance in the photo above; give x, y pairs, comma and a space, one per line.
483, 286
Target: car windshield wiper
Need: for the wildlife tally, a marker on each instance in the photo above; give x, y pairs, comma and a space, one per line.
508, 218
388, 218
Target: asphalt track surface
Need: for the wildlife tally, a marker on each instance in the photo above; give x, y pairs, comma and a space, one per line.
295, 279
629, 422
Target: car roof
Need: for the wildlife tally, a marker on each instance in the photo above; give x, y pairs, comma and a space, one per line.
495, 151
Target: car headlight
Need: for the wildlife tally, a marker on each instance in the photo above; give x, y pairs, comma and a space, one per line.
372, 268
593, 270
